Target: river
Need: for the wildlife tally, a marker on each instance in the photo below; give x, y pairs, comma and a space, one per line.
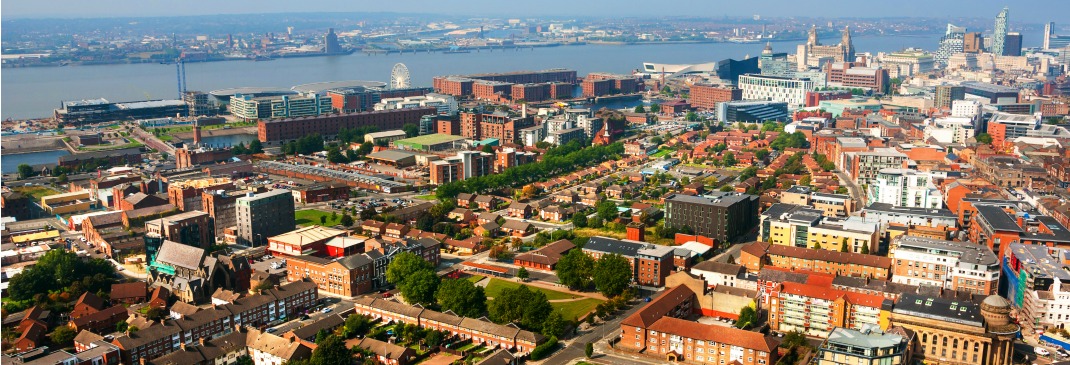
34, 92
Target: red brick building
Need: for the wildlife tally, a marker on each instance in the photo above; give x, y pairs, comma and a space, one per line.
544, 258
531, 92
321, 192
706, 96
278, 131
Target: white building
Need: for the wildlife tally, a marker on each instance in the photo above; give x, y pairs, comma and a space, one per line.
950, 130
904, 188
950, 265
966, 108
906, 63
446, 104
762, 87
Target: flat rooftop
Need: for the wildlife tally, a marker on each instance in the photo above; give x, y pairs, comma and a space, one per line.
431, 139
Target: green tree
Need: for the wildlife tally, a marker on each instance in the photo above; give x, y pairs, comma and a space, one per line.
691, 116
843, 245
420, 287
983, 138
121, 326
639, 109
255, 147
719, 147
405, 265
336, 156
579, 220
411, 130
155, 313
523, 306
554, 325
58, 270
433, 338
747, 317
347, 220
365, 148
331, 351
25, 171
730, 159
487, 149
574, 269
865, 249
817, 246
323, 220
522, 273
356, 325
612, 273
462, 297
588, 350
607, 210
243, 360
63, 336
805, 180
794, 339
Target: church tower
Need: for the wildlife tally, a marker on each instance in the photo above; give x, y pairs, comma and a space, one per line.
811, 39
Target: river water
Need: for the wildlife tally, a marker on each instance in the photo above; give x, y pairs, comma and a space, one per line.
11, 162
34, 92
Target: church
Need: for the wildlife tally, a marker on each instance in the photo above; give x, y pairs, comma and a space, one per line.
814, 54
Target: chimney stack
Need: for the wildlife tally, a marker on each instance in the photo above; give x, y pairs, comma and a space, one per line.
196, 133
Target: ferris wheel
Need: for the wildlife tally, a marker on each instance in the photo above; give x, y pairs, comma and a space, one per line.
399, 77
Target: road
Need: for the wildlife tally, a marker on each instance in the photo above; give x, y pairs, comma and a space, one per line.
856, 191
574, 347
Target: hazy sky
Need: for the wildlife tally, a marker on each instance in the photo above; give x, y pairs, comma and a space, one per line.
1033, 11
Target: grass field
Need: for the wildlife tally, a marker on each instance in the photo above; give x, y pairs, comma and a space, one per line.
574, 309
496, 286
35, 192
426, 197
309, 217
661, 153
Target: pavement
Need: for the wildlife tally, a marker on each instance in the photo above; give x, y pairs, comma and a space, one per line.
598, 334
852, 187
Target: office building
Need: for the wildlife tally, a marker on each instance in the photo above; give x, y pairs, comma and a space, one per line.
907, 63
957, 332
973, 42
501, 125
752, 111
330, 43
966, 109
287, 106
363, 98
999, 34
1036, 279
1053, 41
904, 188
947, 94
951, 265
951, 43
81, 112
220, 205
186, 195
263, 215
307, 241
885, 214
854, 75
1004, 127
846, 346
800, 226
721, 216
445, 104
778, 89
830, 205
1013, 44
462, 85
996, 94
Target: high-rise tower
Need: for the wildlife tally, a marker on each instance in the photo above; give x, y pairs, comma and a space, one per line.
1049, 30
848, 46
999, 35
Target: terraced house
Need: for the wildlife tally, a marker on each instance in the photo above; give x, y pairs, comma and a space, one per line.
156, 339
480, 331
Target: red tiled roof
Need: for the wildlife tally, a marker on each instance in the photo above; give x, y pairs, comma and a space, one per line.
726, 335
657, 308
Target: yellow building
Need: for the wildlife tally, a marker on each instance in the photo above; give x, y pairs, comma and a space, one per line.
799, 226
67, 202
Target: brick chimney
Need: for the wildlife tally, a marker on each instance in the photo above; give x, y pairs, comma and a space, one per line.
637, 231
196, 133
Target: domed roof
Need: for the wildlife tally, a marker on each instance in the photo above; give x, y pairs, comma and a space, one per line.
996, 301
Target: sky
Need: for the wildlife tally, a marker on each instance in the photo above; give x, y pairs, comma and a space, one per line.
1032, 11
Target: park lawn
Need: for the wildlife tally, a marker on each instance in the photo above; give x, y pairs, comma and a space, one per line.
35, 192
310, 217
496, 286
474, 278
661, 153
574, 309
426, 197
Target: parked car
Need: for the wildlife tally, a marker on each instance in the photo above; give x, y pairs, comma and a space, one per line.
1041, 351
327, 310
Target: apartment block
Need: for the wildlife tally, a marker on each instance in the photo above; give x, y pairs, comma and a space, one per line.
961, 266
722, 216
815, 310
800, 226
263, 215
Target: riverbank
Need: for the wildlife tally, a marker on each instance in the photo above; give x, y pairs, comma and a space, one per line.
30, 143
